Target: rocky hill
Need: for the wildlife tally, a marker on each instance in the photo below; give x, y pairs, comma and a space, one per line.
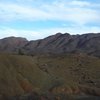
12, 44
65, 43
55, 44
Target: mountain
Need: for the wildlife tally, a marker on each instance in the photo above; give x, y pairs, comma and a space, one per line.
49, 76
66, 43
58, 67
55, 44
12, 44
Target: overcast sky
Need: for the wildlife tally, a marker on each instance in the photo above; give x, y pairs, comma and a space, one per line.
35, 19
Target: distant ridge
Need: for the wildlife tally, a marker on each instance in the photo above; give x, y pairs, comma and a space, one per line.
55, 44
12, 44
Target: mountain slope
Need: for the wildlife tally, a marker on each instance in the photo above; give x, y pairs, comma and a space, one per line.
65, 43
55, 44
65, 74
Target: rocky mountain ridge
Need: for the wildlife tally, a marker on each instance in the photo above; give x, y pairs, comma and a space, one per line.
55, 44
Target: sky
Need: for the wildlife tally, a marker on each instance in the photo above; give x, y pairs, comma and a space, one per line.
36, 19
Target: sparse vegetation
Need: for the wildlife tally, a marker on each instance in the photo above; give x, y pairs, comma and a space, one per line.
67, 75
20, 52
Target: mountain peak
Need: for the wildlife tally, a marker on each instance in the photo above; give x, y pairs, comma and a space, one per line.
15, 38
59, 33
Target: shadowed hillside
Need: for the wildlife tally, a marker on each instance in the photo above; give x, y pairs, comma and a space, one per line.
55, 44
12, 44
57, 75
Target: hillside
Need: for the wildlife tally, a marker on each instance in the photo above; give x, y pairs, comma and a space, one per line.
65, 43
12, 44
67, 75
55, 44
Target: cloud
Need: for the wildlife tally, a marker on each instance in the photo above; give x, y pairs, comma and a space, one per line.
76, 11
80, 3
42, 33
30, 34
10, 12
71, 30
